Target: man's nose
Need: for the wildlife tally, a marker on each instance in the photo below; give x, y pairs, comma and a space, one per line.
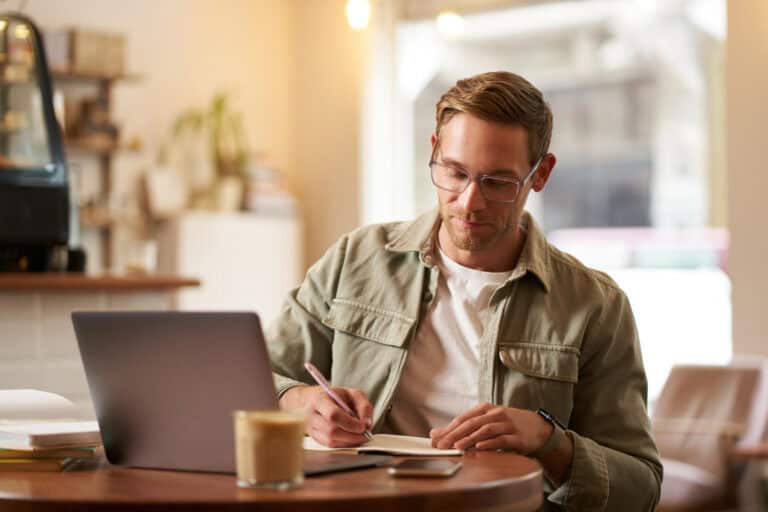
472, 198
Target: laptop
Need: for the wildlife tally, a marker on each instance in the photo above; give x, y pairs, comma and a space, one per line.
164, 386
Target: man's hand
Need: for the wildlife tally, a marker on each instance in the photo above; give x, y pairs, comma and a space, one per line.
492, 427
326, 422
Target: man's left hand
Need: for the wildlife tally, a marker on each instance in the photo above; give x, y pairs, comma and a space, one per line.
492, 427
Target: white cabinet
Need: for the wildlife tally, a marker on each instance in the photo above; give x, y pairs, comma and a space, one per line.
245, 261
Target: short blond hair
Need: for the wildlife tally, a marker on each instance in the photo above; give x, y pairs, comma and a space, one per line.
501, 97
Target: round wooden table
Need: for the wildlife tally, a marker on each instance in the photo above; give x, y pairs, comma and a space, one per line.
488, 481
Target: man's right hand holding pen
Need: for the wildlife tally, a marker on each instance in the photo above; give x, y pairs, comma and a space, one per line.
327, 422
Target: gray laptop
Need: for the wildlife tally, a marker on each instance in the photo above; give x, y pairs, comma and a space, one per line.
164, 385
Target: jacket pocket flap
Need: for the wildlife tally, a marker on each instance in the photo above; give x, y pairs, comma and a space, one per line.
540, 360
369, 322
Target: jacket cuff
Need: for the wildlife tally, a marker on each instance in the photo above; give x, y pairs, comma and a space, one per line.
283, 384
587, 487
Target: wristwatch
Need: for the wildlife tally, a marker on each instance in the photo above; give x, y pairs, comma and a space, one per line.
558, 431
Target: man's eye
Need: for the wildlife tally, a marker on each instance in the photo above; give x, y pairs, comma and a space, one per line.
455, 174
498, 184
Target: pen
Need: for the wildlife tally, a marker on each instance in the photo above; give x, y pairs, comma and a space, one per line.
315, 373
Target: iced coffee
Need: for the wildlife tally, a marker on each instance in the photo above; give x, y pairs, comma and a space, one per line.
269, 449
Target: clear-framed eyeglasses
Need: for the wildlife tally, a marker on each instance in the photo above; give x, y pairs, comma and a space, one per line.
501, 189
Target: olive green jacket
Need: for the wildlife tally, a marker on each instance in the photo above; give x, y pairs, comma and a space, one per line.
557, 336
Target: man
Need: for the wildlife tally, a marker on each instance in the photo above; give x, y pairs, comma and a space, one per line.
465, 325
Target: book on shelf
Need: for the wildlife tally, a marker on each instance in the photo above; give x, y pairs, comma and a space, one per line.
79, 452
33, 420
390, 444
34, 464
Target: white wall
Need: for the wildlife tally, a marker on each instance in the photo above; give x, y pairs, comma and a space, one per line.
747, 171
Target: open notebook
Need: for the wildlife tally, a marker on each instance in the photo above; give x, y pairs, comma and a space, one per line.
31, 420
391, 444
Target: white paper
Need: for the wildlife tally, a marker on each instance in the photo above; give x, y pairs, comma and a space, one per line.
389, 443
33, 404
31, 419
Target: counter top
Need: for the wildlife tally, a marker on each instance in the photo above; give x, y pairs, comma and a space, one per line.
78, 281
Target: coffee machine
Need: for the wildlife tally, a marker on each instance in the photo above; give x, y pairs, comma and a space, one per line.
34, 191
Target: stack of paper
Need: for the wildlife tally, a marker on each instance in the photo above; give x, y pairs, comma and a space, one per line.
38, 432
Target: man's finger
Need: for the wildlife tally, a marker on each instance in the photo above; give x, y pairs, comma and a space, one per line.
361, 405
474, 412
335, 415
438, 434
331, 435
505, 442
463, 430
483, 433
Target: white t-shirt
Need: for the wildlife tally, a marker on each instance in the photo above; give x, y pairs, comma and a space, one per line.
440, 378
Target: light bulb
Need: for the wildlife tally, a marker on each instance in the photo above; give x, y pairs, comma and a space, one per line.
22, 31
450, 25
358, 13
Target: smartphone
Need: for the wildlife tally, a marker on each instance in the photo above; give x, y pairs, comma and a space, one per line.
425, 467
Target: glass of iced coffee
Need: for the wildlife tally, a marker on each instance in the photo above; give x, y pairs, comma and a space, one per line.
269, 449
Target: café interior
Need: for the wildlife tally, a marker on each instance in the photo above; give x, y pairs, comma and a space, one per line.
202, 155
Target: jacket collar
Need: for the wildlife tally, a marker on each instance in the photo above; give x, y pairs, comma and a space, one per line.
420, 235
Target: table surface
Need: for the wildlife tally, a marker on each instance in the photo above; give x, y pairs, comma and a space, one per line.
487, 481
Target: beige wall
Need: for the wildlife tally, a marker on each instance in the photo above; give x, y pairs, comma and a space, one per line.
295, 69
747, 136
186, 50
330, 69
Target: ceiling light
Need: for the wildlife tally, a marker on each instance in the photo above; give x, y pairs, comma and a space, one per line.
358, 13
450, 25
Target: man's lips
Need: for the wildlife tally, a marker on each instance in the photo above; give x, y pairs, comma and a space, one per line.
468, 223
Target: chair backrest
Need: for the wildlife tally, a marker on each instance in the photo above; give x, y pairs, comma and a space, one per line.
703, 409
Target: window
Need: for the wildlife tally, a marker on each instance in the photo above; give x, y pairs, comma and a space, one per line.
635, 89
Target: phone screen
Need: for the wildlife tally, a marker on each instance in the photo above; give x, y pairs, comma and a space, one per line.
425, 467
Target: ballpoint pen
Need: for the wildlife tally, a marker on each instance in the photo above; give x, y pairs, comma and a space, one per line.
315, 373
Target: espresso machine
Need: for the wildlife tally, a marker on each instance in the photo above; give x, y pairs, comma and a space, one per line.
34, 191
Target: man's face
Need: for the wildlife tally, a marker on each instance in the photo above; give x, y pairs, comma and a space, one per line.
473, 223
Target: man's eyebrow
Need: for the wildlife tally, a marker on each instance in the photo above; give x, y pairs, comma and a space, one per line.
506, 173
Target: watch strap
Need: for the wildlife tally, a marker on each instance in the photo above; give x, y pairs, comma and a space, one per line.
558, 431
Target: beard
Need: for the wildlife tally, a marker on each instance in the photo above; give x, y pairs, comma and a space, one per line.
465, 240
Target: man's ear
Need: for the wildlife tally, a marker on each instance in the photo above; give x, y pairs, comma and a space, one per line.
433, 140
541, 177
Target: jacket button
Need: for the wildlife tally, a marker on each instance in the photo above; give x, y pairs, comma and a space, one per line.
427, 296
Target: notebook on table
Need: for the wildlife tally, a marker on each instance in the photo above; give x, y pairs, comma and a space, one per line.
164, 386
389, 444
35, 420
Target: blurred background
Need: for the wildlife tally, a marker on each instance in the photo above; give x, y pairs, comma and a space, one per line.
233, 141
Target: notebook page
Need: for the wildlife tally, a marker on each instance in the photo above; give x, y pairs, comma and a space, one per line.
389, 443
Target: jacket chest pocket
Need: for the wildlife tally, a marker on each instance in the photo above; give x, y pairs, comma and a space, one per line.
368, 351
368, 322
533, 376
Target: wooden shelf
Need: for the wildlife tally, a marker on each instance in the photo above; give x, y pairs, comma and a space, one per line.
84, 146
76, 76
95, 217
101, 149
76, 281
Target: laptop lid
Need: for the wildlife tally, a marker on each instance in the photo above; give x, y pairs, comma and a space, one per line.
164, 384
